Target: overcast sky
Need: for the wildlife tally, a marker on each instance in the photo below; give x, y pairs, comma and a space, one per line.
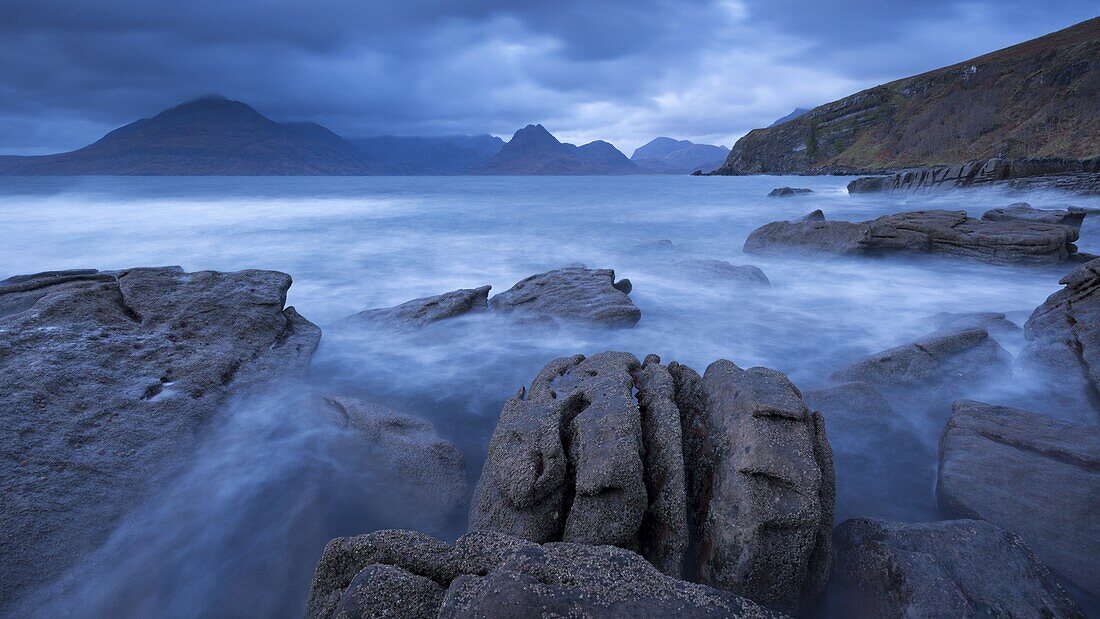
620, 70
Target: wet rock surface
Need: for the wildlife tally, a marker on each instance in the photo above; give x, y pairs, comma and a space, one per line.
957, 568
724, 271
1022, 211
1063, 347
950, 233
424, 311
1031, 474
494, 575
786, 192
574, 294
726, 479
108, 376
1059, 173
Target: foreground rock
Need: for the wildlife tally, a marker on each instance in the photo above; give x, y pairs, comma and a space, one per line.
1064, 343
426, 310
867, 184
948, 359
785, 192
996, 324
724, 271
575, 294
957, 568
1060, 173
1033, 475
107, 376
408, 574
949, 233
726, 479
1022, 211
420, 473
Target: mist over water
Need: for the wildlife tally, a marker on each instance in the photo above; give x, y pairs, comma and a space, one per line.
236, 530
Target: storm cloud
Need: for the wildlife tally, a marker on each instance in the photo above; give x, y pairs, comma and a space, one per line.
621, 70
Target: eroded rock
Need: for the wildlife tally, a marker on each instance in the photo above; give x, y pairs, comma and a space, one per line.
1030, 474
785, 192
724, 271
573, 294
1022, 211
420, 312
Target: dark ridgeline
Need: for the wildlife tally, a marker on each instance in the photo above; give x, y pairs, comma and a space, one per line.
669, 156
449, 154
533, 150
798, 111
1035, 99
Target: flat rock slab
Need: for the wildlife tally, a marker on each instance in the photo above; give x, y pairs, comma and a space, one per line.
956, 568
945, 233
497, 576
574, 294
785, 192
720, 270
1030, 474
107, 376
426, 310
1022, 211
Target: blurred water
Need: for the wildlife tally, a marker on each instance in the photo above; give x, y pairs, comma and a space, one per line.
358, 243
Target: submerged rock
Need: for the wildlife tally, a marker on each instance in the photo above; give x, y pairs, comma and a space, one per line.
573, 294
426, 310
727, 479
1064, 343
996, 324
722, 270
1022, 211
957, 568
784, 192
1030, 474
950, 359
108, 377
922, 232
493, 575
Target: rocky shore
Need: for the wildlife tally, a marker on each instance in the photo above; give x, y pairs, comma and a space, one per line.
1081, 176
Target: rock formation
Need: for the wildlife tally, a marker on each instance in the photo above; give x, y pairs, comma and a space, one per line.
949, 233
1058, 173
408, 574
726, 479
107, 377
574, 294
957, 568
786, 192
426, 310
724, 271
1022, 211
1033, 475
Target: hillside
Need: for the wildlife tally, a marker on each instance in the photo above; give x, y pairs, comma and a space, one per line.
208, 136
1035, 99
533, 150
669, 156
451, 154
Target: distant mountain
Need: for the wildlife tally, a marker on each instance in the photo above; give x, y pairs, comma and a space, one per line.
452, 154
669, 156
798, 111
533, 150
1035, 99
208, 136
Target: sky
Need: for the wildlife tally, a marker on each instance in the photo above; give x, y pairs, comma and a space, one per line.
619, 70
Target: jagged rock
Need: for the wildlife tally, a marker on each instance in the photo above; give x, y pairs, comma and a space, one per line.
881, 463
572, 294
1033, 475
1064, 342
765, 532
945, 358
784, 192
108, 377
424, 474
867, 184
1022, 211
727, 479
420, 312
958, 568
922, 232
1058, 173
720, 269
493, 575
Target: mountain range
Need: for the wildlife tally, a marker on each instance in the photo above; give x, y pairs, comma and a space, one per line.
1035, 99
668, 156
533, 150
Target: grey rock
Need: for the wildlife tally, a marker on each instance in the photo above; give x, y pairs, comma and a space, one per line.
996, 324
424, 474
108, 378
493, 575
815, 215
1051, 173
765, 533
1030, 474
420, 312
785, 192
867, 184
1064, 343
958, 568
1022, 211
722, 270
949, 233
950, 359
571, 294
